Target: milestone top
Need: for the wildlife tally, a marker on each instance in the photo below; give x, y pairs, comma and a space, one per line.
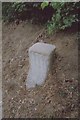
42, 48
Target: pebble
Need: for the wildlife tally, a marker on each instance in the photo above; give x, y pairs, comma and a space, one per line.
21, 86
59, 68
49, 101
6, 91
20, 65
41, 41
73, 105
13, 110
40, 35
12, 59
35, 108
19, 107
19, 101
23, 101
59, 59
20, 56
32, 101
12, 98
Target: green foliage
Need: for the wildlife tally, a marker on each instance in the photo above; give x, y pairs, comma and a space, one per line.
15, 10
65, 15
10, 9
44, 4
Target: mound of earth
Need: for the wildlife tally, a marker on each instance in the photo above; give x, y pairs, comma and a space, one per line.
58, 96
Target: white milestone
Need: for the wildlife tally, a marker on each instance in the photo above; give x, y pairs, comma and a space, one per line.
40, 56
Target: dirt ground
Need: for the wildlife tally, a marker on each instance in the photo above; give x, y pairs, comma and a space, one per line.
58, 96
0, 69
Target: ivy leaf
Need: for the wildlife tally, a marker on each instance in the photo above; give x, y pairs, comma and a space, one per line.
58, 17
44, 4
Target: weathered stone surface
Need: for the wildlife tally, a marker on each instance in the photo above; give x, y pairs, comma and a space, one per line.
40, 55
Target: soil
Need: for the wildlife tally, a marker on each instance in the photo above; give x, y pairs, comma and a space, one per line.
58, 96
0, 70
0, 57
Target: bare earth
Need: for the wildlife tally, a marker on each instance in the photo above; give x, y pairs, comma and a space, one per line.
0, 69
58, 97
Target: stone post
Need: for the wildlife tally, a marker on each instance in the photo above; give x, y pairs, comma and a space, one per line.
40, 57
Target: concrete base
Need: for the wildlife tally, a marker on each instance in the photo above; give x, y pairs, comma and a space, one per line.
40, 56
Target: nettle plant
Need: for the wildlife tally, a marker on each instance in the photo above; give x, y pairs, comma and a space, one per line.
65, 14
